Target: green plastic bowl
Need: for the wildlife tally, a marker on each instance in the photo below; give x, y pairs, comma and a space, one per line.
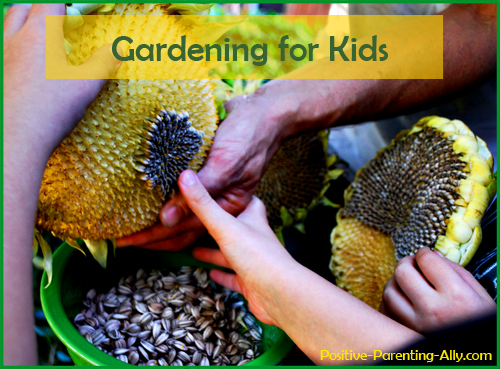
74, 275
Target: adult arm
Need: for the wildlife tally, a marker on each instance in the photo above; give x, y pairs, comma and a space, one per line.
258, 123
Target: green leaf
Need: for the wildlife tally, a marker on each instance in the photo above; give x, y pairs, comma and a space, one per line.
279, 234
300, 227
335, 173
252, 86
323, 191
35, 245
113, 242
222, 90
190, 8
326, 202
238, 87
331, 160
38, 262
99, 250
72, 242
212, 31
220, 109
300, 214
286, 217
492, 187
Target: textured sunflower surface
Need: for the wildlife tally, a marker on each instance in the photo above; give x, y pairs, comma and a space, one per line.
428, 188
92, 187
295, 176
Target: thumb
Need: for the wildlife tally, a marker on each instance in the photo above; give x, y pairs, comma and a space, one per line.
255, 213
102, 64
213, 217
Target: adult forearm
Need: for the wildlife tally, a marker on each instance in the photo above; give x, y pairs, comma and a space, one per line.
320, 316
469, 58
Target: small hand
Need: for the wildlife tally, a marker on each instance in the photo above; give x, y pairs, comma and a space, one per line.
44, 110
247, 245
38, 114
429, 292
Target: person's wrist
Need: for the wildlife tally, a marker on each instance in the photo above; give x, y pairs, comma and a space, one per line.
279, 110
27, 145
276, 284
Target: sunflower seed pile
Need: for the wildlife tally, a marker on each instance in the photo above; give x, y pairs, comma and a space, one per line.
409, 190
170, 319
171, 144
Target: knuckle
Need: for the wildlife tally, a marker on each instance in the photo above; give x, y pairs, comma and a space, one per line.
424, 256
401, 271
202, 198
386, 294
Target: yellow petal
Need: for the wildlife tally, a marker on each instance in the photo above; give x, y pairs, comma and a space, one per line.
469, 249
465, 145
479, 169
444, 245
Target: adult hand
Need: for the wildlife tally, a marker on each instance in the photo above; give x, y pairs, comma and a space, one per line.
429, 292
243, 146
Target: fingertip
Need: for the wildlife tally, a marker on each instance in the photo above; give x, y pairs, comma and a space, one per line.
255, 211
188, 178
172, 216
258, 205
198, 252
225, 279
119, 53
124, 242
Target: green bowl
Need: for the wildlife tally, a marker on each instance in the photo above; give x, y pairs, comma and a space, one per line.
74, 275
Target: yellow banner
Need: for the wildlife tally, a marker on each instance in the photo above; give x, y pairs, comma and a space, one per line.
250, 47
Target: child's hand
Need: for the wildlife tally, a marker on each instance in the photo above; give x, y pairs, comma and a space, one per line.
248, 246
314, 313
40, 112
429, 292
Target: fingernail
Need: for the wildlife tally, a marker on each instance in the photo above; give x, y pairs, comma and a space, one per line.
438, 253
188, 178
172, 216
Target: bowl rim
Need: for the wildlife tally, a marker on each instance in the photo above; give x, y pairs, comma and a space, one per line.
59, 322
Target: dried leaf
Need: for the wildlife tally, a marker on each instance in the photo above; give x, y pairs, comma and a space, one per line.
99, 250
72, 242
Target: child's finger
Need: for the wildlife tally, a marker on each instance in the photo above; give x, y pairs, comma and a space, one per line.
411, 282
174, 244
397, 304
41, 10
227, 280
212, 256
255, 213
216, 220
465, 275
102, 64
437, 270
15, 18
